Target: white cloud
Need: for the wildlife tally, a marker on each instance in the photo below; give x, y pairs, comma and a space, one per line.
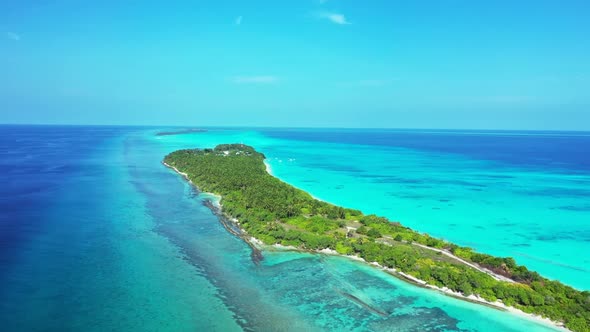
12, 35
334, 17
255, 79
373, 82
369, 83
507, 99
238, 20
495, 99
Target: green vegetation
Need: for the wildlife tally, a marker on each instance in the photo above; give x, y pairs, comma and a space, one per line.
275, 212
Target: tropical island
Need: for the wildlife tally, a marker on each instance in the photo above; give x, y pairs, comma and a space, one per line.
181, 131
265, 209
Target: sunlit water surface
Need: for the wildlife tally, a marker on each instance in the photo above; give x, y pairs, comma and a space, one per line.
97, 234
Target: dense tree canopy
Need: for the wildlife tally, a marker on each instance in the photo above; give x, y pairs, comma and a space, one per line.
275, 212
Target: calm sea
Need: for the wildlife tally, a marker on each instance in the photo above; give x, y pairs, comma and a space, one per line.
96, 234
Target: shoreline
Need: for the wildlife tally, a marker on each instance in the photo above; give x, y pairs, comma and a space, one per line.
232, 225
258, 246
268, 169
498, 305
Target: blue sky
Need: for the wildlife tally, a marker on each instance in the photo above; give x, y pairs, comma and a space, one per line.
306, 63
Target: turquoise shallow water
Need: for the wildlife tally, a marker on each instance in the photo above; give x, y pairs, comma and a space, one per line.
538, 215
98, 235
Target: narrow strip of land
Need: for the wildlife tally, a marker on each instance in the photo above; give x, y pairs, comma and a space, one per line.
275, 213
180, 132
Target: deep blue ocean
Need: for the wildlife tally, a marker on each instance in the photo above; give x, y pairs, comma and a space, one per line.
96, 234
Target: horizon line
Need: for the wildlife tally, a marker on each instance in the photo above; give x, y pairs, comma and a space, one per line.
289, 127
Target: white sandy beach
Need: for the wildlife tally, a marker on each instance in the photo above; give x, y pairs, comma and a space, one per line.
268, 169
